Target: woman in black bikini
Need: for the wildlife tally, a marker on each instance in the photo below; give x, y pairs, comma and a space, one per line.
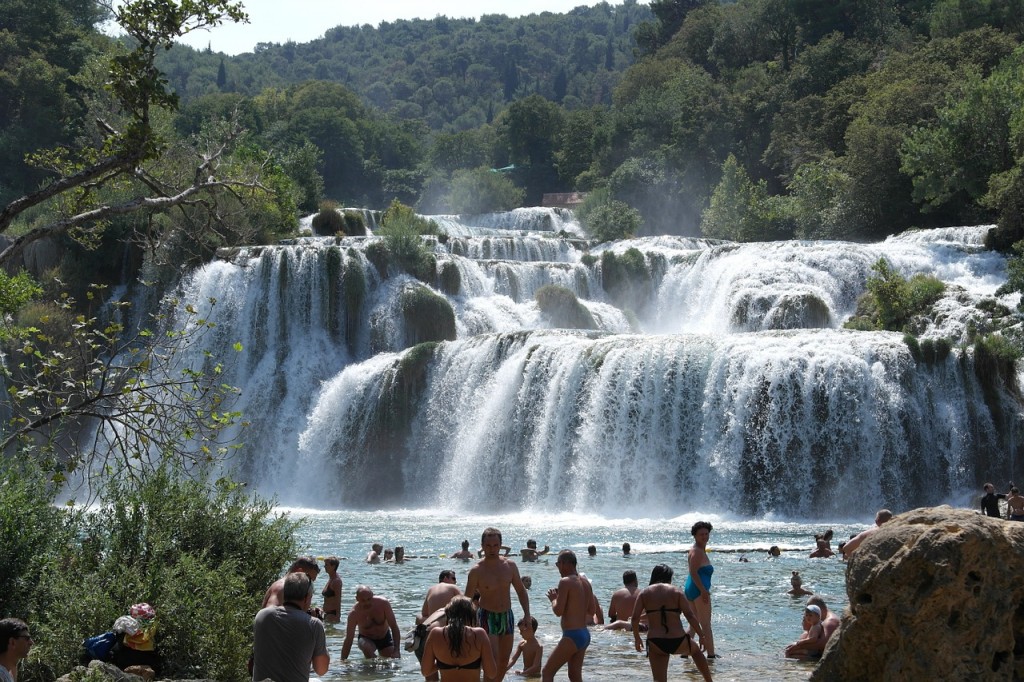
459, 650
663, 603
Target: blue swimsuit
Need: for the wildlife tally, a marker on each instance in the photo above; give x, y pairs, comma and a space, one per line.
580, 637
704, 573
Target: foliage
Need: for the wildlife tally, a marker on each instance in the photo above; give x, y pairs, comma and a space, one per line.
626, 278
891, 301
481, 190
1014, 275
178, 543
402, 230
328, 221
742, 210
607, 219
15, 293
427, 316
139, 393
562, 309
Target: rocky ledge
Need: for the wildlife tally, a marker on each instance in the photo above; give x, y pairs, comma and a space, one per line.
935, 594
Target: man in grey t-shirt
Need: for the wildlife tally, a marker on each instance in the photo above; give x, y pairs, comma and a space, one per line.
286, 639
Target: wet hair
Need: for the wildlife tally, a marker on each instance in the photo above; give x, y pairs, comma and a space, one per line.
629, 577
460, 614
297, 586
827, 535
531, 543
566, 556
446, 573
331, 561
11, 627
625, 548
882, 516
304, 563
819, 602
465, 544
490, 531
699, 525
662, 573
532, 622
377, 547
591, 550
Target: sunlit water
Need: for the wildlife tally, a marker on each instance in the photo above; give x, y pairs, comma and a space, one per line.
753, 616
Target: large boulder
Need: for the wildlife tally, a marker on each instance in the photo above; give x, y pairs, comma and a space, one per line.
935, 594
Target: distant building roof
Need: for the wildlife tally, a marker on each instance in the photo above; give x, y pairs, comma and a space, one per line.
563, 199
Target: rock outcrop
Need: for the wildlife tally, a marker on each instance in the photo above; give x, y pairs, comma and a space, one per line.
935, 594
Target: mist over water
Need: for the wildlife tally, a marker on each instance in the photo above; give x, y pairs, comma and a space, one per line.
724, 384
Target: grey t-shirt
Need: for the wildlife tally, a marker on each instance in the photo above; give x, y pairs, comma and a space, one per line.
285, 640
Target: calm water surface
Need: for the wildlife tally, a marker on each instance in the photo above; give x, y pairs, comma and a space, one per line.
753, 617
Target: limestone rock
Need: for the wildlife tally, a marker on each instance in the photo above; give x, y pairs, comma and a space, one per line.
935, 594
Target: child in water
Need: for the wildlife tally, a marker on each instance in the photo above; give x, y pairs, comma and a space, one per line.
530, 648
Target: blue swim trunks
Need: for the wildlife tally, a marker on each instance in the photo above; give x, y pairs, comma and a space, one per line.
580, 637
495, 623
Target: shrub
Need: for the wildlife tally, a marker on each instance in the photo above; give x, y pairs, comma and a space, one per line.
891, 301
608, 219
563, 309
481, 190
328, 221
202, 552
402, 230
427, 316
626, 278
355, 225
451, 279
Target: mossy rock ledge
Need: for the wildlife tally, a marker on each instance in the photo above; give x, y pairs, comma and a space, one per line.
935, 594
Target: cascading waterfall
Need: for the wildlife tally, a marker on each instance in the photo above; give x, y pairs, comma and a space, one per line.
718, 377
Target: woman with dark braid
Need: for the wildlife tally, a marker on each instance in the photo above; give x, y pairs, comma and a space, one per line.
665, 605
459, 650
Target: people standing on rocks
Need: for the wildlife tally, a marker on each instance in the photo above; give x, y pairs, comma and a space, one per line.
812, 641
570, 601
620, 608
377, 627
823, 548
698, 583
530, 553
459, 650
492, 577
853, 543
15, 643
990, 500
664, 605
1015, 505
332, 591
286, 639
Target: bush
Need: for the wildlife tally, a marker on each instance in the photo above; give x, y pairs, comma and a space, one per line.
563, 309
892, 301
626, 278
328, 221
451, 278
427, 316
402, 230
355, 225
607, 219
201, 552
481, 190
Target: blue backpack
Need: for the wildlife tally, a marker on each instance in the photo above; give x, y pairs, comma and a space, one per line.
99, 646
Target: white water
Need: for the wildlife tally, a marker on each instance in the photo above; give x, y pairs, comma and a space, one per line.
730, 387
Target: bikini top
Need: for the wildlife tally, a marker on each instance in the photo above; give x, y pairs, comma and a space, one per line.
328, 592
663, 610
475, 665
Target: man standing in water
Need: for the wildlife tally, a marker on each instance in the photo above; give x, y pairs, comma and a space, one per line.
491, 578
571, 601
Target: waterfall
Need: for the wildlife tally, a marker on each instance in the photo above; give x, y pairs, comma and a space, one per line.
714, 375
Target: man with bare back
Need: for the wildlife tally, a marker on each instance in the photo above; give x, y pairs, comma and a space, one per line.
570, 600
491, 579
377, 626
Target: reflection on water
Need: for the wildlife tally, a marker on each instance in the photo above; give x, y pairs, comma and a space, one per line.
754, 618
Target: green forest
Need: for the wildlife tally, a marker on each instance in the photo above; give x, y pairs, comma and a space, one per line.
138, 157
